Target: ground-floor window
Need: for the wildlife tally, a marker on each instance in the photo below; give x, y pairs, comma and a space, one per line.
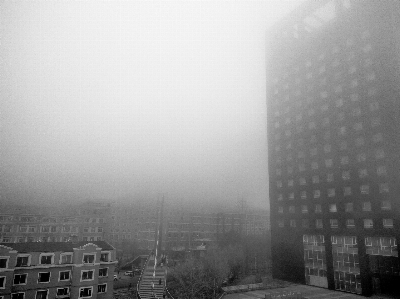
315, 260
346, 265
102, 288
85, 292
383, 265
41, 294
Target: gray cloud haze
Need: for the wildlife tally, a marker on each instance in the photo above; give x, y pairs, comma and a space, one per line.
106, 99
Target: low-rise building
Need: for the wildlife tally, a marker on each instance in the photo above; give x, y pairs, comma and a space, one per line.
57, 270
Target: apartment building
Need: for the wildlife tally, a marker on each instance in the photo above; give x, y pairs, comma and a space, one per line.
56, 270
86, 222
333, 145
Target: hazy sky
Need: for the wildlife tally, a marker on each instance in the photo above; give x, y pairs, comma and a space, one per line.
106, 99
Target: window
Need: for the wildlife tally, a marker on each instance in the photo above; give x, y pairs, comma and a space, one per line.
280, 197
376, 121
331, 192
346, 175
20, 278
102, 288
23, 261
373, 106
350, 223
64, 275
318, 209
377, 138
328, 163
368, 223
362, 173
362, 157
325, 121
292, 209
360, 141
334, 223
88, 258
349, 207
85, 292
327, 148
383, 188
304, 209
305, 223
302, 167
318, 223
291, 196
62, 291
388, 223
317, 193
381, 170
314, 165
279, 184
46, 259
103, 272
332, 208
66, 258
41, 294
87, 274
292, 223
347, 191
386, 205
380, 154
2, 282
20, 295
364, 189
313, 151
315, 179
281, 223
303, 194
366, 206
44, 277
280, 210
329, 177
358, 126
4, 262
344, 160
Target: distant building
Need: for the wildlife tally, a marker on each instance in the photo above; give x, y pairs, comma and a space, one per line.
333, 145
85, 222
57, 270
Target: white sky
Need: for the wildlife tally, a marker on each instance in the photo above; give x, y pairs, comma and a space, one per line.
103, 99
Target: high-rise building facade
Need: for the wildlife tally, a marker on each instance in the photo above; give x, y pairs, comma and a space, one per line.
333, 77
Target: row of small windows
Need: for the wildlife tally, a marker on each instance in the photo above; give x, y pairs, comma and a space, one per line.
334, 223
331, 192
296, 92
366, 206
326, 121
350, 56
349, 43
343, 145
362, 173
44, 277
338, 101
64, 292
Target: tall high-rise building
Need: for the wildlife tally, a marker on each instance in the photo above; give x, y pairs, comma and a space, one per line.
333, 72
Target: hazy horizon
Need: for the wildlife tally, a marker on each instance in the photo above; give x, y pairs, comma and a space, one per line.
119, 99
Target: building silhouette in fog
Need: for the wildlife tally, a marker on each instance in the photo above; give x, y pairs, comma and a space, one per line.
333, 81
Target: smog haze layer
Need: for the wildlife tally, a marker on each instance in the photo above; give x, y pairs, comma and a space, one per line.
124, 99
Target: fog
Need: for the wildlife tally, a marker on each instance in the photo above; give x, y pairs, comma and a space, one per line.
129, 99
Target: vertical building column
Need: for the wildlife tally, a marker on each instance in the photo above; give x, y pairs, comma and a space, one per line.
364, 267
329, 261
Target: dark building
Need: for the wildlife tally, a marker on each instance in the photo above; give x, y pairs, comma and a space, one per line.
333, 81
